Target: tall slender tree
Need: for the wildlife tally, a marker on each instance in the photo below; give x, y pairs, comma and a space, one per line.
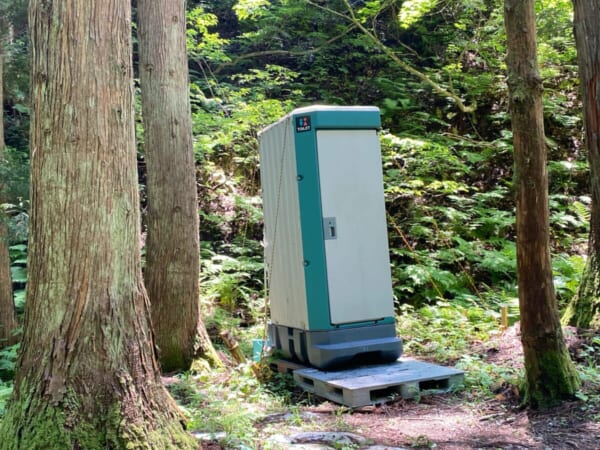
584, 309
172, 247
551, 375
8, 319
87, 375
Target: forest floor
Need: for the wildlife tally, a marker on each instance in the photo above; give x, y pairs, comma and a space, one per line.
453, 421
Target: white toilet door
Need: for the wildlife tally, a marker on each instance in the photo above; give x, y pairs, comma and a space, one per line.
355, 231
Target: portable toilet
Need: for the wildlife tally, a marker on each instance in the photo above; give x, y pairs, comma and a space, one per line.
326, 249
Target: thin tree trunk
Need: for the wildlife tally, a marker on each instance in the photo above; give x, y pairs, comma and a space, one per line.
87, 375
8, 319
2, 143
551, 375
584, 309
172, 246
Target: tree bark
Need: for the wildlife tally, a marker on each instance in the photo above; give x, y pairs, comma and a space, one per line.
172, 246
584, 309
8, 318
550, 373
2, 143
87, 375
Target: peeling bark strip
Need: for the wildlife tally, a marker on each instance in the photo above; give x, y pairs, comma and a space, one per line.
87, 373
172, 247
584, 310
551, 375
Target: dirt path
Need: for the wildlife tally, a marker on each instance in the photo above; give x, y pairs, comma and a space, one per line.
447, 423
455, 421
459, 422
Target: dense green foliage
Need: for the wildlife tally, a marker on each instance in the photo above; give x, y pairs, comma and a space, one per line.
14, 48
14, 170
447, 171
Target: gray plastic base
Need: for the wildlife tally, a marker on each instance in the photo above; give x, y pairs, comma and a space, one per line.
334, 348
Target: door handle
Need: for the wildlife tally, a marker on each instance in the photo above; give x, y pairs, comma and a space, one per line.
329, 228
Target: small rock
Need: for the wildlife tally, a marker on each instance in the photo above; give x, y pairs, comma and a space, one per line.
308, 447
281, 442
384, 447
209, 437
282, 417
279, 439
330, 438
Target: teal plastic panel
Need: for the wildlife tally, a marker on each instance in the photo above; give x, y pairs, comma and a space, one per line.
338, 117
315, 272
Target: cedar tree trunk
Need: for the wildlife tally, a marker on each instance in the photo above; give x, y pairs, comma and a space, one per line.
584, 309
550, 373
172, 246
87, 376
8, 319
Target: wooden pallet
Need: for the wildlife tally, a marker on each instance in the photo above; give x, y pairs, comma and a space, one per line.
285, 366
379, 383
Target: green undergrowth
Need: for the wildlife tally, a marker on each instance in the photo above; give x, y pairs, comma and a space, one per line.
6, 388
238, 400
451, 334
444, 332
447, 182
8, 359
230, 403
588, 361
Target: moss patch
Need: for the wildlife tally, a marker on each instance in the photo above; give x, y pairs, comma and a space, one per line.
34, 424
551, 379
